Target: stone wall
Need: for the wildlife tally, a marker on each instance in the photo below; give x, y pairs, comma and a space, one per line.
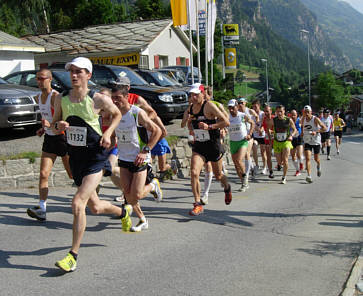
21, 173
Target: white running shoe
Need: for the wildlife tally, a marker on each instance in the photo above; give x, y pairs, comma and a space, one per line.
120, 198
157, 193
283, 180
309, 180
204, 199
37, 213
140, 226
264, 171
338, 152
328, 157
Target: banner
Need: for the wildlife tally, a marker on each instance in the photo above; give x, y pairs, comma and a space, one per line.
179, 12
202, 19
212, 17
121, 60
230, 57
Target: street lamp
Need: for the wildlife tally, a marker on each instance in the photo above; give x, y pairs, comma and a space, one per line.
303, 34
267, 96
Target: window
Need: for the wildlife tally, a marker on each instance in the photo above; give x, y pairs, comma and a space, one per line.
183, 61
144, 62
30, 80
163, 61
14, 79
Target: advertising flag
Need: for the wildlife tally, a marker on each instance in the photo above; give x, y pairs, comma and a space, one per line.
212, 17
179, 12
230, 56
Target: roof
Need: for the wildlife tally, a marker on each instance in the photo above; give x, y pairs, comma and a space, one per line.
124, 37
11, 43
359, 98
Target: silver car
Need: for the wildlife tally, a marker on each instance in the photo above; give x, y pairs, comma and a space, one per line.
17, 106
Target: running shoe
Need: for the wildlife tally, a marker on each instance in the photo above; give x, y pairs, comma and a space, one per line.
297, 173
228, 195
37, 213
120, 198
197, 210
68, 263
309, 180
338, 152
157, 193
204, 199
126, 220
328, 157
271, 175
140, 226
301, 166
322, 150
264, 171
283, 180
279, 167
318, 172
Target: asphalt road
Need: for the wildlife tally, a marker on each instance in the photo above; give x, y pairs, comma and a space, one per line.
293, 239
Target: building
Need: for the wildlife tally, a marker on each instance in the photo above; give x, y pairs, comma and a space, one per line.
16, 54
143, 44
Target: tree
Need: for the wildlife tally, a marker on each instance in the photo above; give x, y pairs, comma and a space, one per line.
239, 76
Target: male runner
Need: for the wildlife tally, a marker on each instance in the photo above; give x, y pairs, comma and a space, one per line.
338, 125
259, 137
282, 127
325, 136
77, 115
311, 129
297, 151
205, 121
267, 124
239, 138
53, 145
134, 145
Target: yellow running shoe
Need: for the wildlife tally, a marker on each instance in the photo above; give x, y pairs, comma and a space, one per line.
126, 221
157, 192
68, 263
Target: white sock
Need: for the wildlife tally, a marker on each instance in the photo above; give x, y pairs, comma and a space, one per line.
302, 159
296, 164
207, 182
143, 219
43, 205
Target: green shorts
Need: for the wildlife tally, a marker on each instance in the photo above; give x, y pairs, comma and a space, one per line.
237, 145
280, 146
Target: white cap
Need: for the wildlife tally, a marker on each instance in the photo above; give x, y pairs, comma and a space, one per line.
80, 62
197, 88
242, 100
307, 108
232, 103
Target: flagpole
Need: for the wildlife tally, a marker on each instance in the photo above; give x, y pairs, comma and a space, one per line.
198, 41
191, 42
223, 67
211, 62
206, 43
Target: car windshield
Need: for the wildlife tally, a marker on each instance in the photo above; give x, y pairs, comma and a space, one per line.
162, 79
66, 79
2, 81
135, 78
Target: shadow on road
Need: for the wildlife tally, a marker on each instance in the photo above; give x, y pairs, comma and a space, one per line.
348, 250
17, 133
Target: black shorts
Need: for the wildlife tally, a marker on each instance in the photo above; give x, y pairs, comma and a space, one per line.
210, 150
338, 134
134, 169
315, 148
296, 142
55, 144
325, 137
87, 161
260, 141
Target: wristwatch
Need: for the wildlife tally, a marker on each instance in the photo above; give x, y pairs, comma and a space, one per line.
146, 149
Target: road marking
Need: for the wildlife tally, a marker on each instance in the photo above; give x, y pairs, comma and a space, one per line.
356, 143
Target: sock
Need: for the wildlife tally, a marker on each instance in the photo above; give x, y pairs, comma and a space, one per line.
207, 182
296, 165
318, 167
43, 205
152, 187
74, 255
328, 150
143, 219
123, 213
247, 165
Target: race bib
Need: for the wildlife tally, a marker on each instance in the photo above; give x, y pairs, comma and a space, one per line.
201, 135
77, 136
124, 136
235, 129
281, 137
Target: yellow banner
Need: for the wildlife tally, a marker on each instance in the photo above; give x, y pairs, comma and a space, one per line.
179, 12
121, 60
230, 30
230, 57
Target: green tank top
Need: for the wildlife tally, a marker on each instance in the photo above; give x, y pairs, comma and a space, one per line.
83, 110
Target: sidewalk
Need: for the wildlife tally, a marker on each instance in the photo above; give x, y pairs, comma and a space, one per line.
354, 285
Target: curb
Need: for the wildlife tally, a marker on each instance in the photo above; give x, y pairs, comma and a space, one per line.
354, 284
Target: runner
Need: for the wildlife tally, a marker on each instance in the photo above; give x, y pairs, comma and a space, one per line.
259, 136
77, 114
206, 120
239, 138
242, 107
53, 145
297, 151
134, 156
267, 124
282, 126
311, 129
327, 120
338, 125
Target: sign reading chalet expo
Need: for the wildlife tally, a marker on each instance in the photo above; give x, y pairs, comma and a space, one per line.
120, 60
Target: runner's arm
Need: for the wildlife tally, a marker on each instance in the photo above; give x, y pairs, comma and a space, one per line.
322, 125
58, 125
185, 118
252, 123
144, 105
213, 111
294, 130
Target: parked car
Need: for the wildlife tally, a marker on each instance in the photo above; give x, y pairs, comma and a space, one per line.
360, 121
167, 102
61, 80
17, 106
188, 73
177, 75
155, 77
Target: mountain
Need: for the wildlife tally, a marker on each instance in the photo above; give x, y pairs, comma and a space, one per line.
356, 4
343, 24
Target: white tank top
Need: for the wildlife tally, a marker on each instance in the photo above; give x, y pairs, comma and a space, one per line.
237, 127
248, 125
308, 127
256, 133
328, 122
46, 111
129, 143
